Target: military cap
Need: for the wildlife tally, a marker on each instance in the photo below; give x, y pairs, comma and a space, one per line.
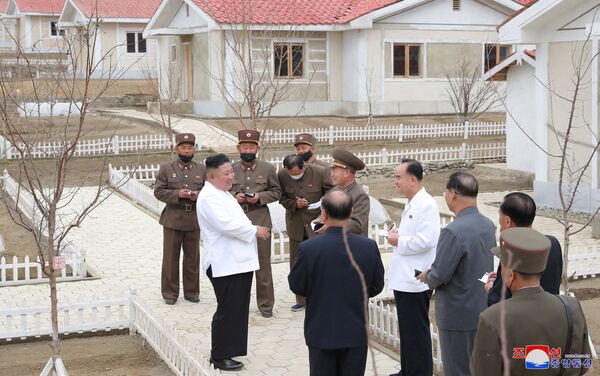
305, 138
523, 250
185, 138
248, 135
344, 159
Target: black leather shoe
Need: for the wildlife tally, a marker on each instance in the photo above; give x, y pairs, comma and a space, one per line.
170, 301
266, 314
193, 299
226, 364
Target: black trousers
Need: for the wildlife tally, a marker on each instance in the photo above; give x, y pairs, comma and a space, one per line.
337, 362
415, 338
229, 335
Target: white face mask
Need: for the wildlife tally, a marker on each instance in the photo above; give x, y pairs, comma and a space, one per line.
297, 177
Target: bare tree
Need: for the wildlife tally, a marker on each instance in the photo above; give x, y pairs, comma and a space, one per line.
470, 95
48, 190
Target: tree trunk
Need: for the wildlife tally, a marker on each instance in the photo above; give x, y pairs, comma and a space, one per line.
567, 240
54, 314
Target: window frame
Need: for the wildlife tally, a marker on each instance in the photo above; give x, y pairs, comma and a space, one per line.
497, 47
407, 60
290, 59
59, 32
136, 43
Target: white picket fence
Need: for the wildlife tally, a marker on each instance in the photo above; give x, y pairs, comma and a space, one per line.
82, 315
383, 324
75, 266
398, 132
109, 145
584, 262
23, 271
384, 157
183, 358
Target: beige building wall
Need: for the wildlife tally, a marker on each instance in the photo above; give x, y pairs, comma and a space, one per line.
561, 71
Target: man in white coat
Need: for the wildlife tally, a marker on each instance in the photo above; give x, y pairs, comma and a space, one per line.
229, 257
415, 242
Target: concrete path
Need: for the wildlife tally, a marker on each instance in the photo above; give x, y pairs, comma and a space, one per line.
124, 245
210, 136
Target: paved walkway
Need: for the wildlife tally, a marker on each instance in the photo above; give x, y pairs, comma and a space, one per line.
210, 136
124, 245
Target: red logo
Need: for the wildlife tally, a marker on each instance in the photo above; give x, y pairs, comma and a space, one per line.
555, 353
518, 353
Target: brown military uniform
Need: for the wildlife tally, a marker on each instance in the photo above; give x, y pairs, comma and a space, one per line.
180, 227
532, 317
310, 140
259, 177
361, 206
311, 186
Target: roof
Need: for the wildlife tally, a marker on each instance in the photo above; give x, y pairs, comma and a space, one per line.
526, 3
289, 12
3, 6
53, 7
117, 8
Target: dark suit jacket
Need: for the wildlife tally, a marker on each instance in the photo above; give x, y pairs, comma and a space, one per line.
334, 298
551, 276
463, 255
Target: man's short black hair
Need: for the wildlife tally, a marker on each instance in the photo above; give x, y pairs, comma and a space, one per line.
215, 161
293, 160
463, 184
519, 207
338, 204
414, 168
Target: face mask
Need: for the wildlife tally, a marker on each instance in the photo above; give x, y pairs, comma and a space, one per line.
297, 177
306, 156
186, 158
248, 157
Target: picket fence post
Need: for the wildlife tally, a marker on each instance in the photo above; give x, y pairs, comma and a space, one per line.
384, 157
331, 135
115, 144
463, 152
401, 133
466, 135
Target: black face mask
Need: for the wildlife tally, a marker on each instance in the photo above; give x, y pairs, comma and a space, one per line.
186, 158
248, 157
306, 156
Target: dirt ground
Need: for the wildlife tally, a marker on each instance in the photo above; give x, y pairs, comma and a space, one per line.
115, 355
94, 126
233, 125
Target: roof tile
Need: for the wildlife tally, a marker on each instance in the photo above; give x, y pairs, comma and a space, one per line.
117, 8
53, 7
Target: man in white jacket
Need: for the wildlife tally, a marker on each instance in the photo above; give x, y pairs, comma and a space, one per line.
229, 257
415, 242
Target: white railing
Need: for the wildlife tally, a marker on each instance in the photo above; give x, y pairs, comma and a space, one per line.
175, 350
113, 145
83, 315
584, 262
123, 181
386, 157
22, 271
143, 174
74, 257
398, 132
383, 324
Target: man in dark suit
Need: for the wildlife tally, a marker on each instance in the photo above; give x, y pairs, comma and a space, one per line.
462, 257
326, 273
518, 210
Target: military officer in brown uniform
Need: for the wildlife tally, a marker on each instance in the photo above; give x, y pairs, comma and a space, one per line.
343, 168
177, 184
543, 332
257, 185
301, 184
305, 147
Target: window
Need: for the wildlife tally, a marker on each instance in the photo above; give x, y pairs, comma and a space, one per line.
173, 53
136, 43
288, 59
407, 60
54, 30
494, 54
